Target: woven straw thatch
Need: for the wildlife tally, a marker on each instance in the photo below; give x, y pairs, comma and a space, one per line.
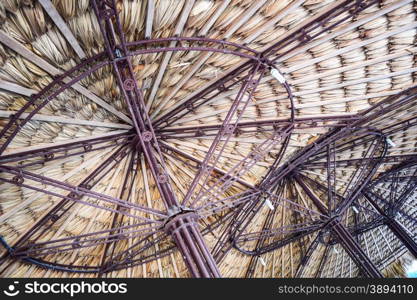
357, 64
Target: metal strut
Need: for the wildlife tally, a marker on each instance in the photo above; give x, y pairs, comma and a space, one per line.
182, 228
395, 227
344, 236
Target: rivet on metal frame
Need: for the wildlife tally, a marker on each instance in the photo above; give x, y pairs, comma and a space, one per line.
76, 244
199, 132
107, 13
129, 84
18, 179
49, 156
228, 129
162, 178
147, 136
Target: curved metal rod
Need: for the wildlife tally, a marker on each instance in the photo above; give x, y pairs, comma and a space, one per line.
200, 49
275, 245
192, 39
59, 79
398, 168
45, 101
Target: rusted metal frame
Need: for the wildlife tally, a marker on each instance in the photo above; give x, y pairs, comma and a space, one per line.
242, 167
50, 153
267, 233
53, 215
278, 244
353, 162
267, 224
248, 196
365, 135
322, 261
403, 236
388, 208
133, 262
393, 187
115, 217
199, 40
395, 227
223, 136
228, 202
37, 107
344, 237
126, 256
331, 175
411, 218
243, 217
355, 251
63, 27
189, 48
223, 244
47, 265
130, 263
86, 149
242, 197
307, 256
253, 56
310, 150
392, 211
76, 192
89, 182
266, 53
365, 227
220, 85
190, 243
310, 194
400, 178
398, 201
200, 99
298, 218
239, 132
56, 81
357, 229
169, 150
389, 104
208, 229
133, 96
408, 190
75, 242
193, 234
363, 176
200, 130
252, 208
398, 168
305, 34
389, 130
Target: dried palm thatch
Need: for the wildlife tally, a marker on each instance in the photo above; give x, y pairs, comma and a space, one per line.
357, 60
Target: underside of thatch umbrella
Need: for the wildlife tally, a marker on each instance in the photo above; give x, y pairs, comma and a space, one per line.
207, 138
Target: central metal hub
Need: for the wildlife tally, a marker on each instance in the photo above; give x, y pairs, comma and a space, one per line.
180, 220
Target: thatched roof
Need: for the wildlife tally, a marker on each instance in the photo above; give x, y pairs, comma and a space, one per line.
366, 57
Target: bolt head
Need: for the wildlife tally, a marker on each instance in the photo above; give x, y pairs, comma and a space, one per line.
129, 84
162, 178
147, 136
